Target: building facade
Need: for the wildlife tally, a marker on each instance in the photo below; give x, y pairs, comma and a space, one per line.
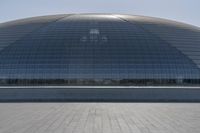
99, 49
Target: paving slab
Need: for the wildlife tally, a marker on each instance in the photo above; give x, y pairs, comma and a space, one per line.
99, 117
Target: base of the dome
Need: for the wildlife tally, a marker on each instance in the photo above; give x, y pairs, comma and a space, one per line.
99, 94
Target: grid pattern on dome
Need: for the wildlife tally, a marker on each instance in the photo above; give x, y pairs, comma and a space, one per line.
94, 47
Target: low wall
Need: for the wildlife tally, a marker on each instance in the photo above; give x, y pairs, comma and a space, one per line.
109, 94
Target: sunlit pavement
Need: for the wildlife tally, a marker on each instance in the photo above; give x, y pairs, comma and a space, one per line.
99, 117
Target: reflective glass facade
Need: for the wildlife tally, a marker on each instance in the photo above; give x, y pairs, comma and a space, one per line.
98, 49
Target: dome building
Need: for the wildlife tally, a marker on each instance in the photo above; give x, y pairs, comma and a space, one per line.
99, 50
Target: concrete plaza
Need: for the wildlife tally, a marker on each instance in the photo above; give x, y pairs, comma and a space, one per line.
99, 117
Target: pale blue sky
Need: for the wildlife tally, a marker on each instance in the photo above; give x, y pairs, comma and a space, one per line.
187, 11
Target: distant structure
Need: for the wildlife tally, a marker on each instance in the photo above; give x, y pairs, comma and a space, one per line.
99, 50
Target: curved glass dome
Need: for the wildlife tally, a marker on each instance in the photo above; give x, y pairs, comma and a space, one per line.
99, 49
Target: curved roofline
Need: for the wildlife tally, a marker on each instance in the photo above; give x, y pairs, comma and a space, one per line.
150, 17
162, 19
31, 17
137, 50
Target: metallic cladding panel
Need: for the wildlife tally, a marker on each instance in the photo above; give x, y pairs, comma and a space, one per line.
97, 46
15, 30
185, 38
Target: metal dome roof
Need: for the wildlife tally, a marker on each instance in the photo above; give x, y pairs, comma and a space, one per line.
98, 47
